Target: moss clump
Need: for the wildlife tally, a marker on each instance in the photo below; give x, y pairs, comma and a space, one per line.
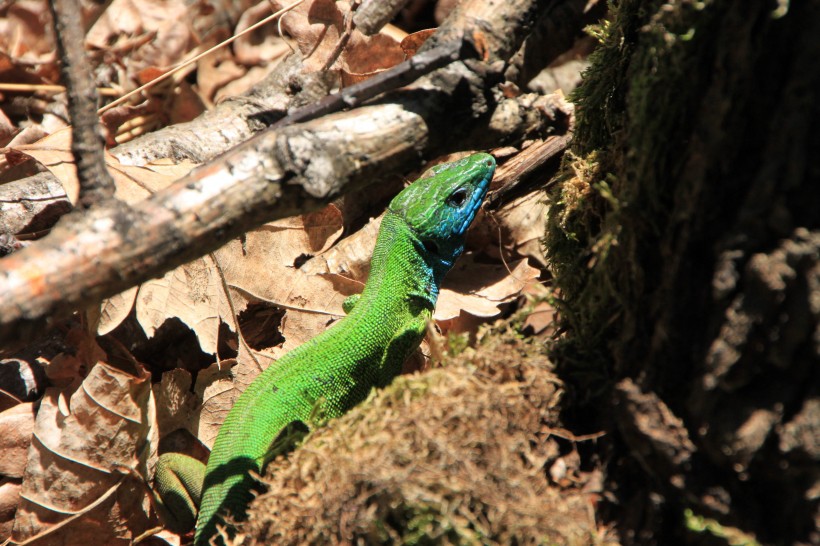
458, 455
609, 214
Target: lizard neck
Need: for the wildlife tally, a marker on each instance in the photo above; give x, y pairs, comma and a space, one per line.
401, 269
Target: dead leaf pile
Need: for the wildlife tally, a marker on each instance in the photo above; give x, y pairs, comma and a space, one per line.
85, 457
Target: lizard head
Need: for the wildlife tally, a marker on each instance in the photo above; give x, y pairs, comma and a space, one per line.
439, 207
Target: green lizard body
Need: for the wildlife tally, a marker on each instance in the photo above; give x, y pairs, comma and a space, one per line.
420, 237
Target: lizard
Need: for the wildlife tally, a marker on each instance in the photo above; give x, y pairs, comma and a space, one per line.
420, 237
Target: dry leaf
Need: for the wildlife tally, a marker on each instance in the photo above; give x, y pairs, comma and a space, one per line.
350, 257
412, 42
7, 129
16, 426
88, 459
541, 319
176, 405
216, 389
315, 28
132, 183
216, 71
514, 230
8, 400
66, 369
220, 389
167, 537
168, 24
260, 266
9, 499
26, 43
523, 222
192, 293
479, 289
115, 309
370, 57
261, 46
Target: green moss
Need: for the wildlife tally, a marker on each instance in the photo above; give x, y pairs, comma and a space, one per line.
733, 536
457, 342
614, 198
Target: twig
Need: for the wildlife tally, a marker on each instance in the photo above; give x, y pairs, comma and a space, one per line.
275, 174
398, 76
527, 164
96, 184
344, 38
375, 14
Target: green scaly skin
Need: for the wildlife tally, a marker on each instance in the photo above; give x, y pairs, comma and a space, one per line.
420, 238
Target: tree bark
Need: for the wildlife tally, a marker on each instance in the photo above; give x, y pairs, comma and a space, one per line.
686, 244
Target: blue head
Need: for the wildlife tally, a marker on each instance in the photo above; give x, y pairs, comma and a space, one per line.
439, 207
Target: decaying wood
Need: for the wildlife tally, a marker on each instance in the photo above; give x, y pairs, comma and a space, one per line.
275, 174
233, 120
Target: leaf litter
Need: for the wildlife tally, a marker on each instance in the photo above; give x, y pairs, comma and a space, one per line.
76, 490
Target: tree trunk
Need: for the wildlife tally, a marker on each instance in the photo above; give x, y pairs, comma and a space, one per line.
685, 242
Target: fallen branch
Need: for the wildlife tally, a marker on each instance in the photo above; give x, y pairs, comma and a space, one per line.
273, 175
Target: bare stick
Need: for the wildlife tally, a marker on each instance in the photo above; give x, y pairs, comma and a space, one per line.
96, 184
275, 174
398, 76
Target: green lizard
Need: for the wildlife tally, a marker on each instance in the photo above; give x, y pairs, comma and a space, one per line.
421, 236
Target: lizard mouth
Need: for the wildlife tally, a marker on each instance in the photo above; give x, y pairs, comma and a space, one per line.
475, 203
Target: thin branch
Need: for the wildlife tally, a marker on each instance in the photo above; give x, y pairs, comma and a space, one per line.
276, 174
87, 144
527, 167
344, 38
373, 15
397, 76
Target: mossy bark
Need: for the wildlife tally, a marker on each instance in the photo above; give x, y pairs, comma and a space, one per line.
685, 241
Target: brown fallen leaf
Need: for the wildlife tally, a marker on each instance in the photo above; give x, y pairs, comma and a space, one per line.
412, 42
89, 457
217, 390
516, 229
541, 320
260, 47
9, 498
176, 404
260, 266
200, 412
115, 309
132, 183
480, 288
263, 266
16, 426
169, 25
193, 293
350, 256
27, 43
8, 400
68, 368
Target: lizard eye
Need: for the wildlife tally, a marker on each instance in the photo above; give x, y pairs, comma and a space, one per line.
458, 197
